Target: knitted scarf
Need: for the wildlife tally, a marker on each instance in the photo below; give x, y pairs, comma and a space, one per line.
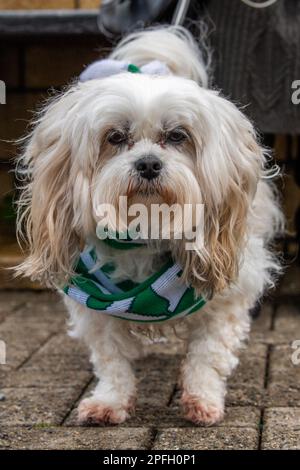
160, 297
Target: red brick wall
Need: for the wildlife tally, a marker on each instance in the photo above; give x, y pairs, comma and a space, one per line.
29, 72
29, 69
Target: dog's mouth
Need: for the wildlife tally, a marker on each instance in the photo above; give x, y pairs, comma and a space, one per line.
154, 190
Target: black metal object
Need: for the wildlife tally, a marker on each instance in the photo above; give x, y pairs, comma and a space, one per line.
40, 23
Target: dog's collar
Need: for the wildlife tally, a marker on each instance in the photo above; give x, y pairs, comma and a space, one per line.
108, 67
162, 296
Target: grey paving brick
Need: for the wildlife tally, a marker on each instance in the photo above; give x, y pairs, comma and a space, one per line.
263, 322
47, 373
41, 315
26, 333
6, 307
287, 321
285, 329
64, 345
156, 379
45, 299
59, 363
22, 334
262, 327
33, 377
17, 354
41, 437
290, 283
10, 302
283, 388
30, 301
165, 417
61, 353
281, 429
206, 438
246, 386
31, 406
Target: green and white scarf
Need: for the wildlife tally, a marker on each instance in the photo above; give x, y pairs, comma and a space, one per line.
161, 297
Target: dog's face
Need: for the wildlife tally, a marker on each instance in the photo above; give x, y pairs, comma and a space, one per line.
154, 140
148, 146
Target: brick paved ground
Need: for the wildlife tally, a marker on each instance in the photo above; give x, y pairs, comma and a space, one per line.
47, 373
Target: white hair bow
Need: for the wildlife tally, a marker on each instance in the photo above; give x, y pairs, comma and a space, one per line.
107, 67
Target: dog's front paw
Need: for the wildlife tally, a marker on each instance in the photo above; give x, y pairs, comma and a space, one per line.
94, 411
201, 412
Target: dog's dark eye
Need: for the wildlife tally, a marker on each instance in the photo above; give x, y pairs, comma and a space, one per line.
117, 137
177, 136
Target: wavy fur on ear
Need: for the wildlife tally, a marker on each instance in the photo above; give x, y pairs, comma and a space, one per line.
46, 206
230, 163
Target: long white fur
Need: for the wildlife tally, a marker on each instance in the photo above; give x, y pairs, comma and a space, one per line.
71, 170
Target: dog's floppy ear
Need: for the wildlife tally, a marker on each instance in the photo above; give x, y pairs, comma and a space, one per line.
46, 218
230, 162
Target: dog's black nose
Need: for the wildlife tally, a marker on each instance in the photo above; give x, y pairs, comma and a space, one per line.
148, 167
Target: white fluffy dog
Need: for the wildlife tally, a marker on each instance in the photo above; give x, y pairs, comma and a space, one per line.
83, 151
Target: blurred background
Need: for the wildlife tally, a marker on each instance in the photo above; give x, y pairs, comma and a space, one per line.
45, 44
32, 65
